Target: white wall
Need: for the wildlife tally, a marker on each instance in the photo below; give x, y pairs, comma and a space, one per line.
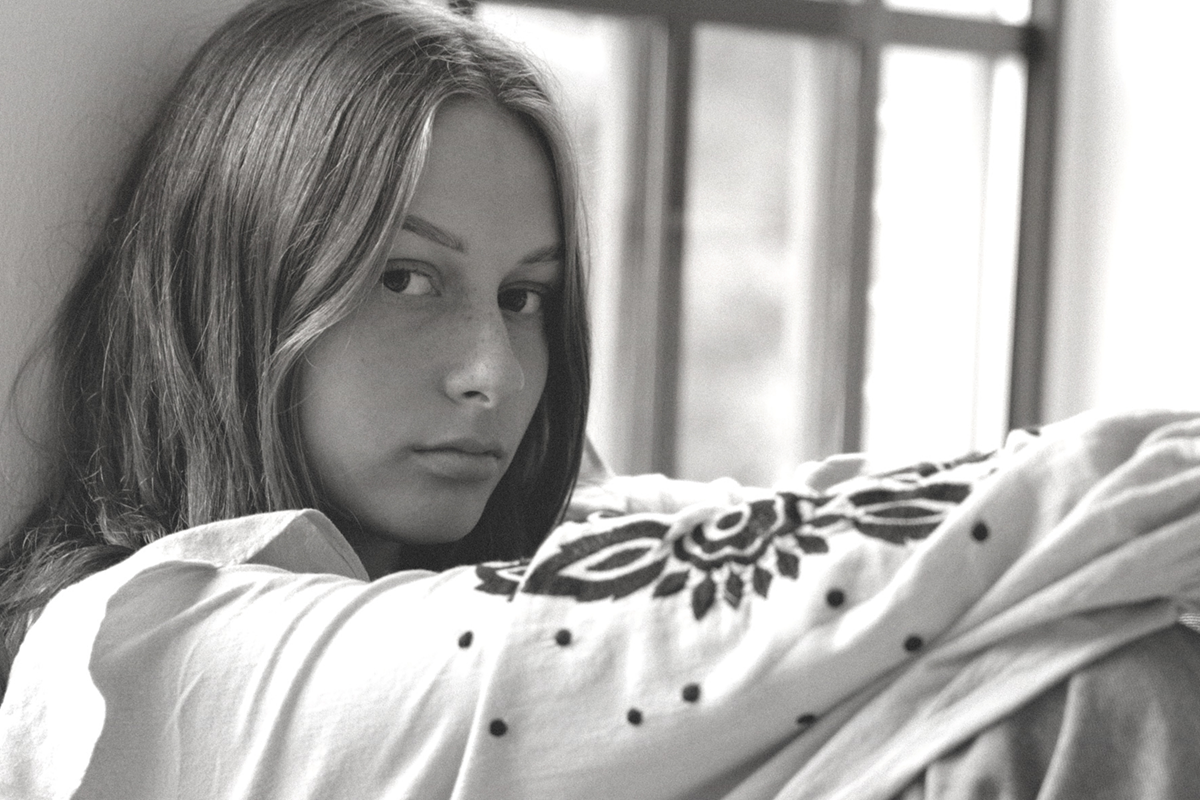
78, 79
1125, 306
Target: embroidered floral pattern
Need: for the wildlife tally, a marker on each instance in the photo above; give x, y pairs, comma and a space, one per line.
501, 577
724, 555
728, 555
895, 514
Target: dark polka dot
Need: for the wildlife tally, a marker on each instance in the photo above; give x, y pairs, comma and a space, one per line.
563, 637
465, 639
913, 643
498, 727
691, 692
805, 720
980, 532
634, 716
835, 597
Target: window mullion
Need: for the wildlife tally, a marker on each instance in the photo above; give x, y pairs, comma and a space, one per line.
861, 226
1033, 247
820, 18
678, 74
952, 33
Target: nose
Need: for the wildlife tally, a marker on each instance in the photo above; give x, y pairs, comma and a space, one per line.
485, 368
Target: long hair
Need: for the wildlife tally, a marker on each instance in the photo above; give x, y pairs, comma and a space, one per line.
256, 215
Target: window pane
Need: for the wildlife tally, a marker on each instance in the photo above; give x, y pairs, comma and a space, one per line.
765, 243
1014, 12
941, 298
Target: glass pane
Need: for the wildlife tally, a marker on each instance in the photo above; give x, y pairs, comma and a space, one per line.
1014, 12
766, 215
941, 298
596, 61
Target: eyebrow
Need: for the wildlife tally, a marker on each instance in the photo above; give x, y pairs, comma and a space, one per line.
546, 255
427, 230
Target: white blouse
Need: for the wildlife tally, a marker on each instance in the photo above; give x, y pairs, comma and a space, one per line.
813, 641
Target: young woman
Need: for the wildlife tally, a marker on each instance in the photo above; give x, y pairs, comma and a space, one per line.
280, 315
345, 273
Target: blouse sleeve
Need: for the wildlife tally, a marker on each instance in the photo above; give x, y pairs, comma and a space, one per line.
652, 655
194, 669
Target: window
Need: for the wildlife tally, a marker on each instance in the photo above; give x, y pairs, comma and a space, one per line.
811, 225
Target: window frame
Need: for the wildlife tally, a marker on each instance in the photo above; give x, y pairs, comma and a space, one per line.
651, 391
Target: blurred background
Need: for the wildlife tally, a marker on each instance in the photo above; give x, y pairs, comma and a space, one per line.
817, 226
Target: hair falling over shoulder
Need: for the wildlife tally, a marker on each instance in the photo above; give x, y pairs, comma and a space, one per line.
253, 217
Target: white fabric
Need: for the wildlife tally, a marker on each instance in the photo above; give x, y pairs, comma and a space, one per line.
251, 659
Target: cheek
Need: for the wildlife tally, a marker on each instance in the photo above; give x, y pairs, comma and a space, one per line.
534, 356
344, 399
323, 426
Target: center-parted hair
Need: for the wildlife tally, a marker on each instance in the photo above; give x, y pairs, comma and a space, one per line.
256, 214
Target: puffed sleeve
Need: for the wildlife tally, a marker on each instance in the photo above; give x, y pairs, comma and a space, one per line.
194, 669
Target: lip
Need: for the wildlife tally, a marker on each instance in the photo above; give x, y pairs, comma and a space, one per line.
468, 445
465, 459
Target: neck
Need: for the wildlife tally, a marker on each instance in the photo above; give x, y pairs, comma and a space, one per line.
382, 555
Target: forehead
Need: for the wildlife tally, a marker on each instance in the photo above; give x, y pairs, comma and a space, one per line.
485, 174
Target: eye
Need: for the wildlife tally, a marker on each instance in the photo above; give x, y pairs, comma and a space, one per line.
522, 300
406, 281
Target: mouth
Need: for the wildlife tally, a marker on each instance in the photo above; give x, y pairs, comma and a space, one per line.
465, 460
466, 446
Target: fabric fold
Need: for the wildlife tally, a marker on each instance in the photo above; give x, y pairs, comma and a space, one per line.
828, 638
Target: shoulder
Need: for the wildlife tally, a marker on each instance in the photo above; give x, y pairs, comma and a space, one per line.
233, 627
301, 541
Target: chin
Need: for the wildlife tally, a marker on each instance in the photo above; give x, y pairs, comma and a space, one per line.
433, 526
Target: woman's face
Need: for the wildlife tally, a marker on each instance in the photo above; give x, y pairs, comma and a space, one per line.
413, 406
